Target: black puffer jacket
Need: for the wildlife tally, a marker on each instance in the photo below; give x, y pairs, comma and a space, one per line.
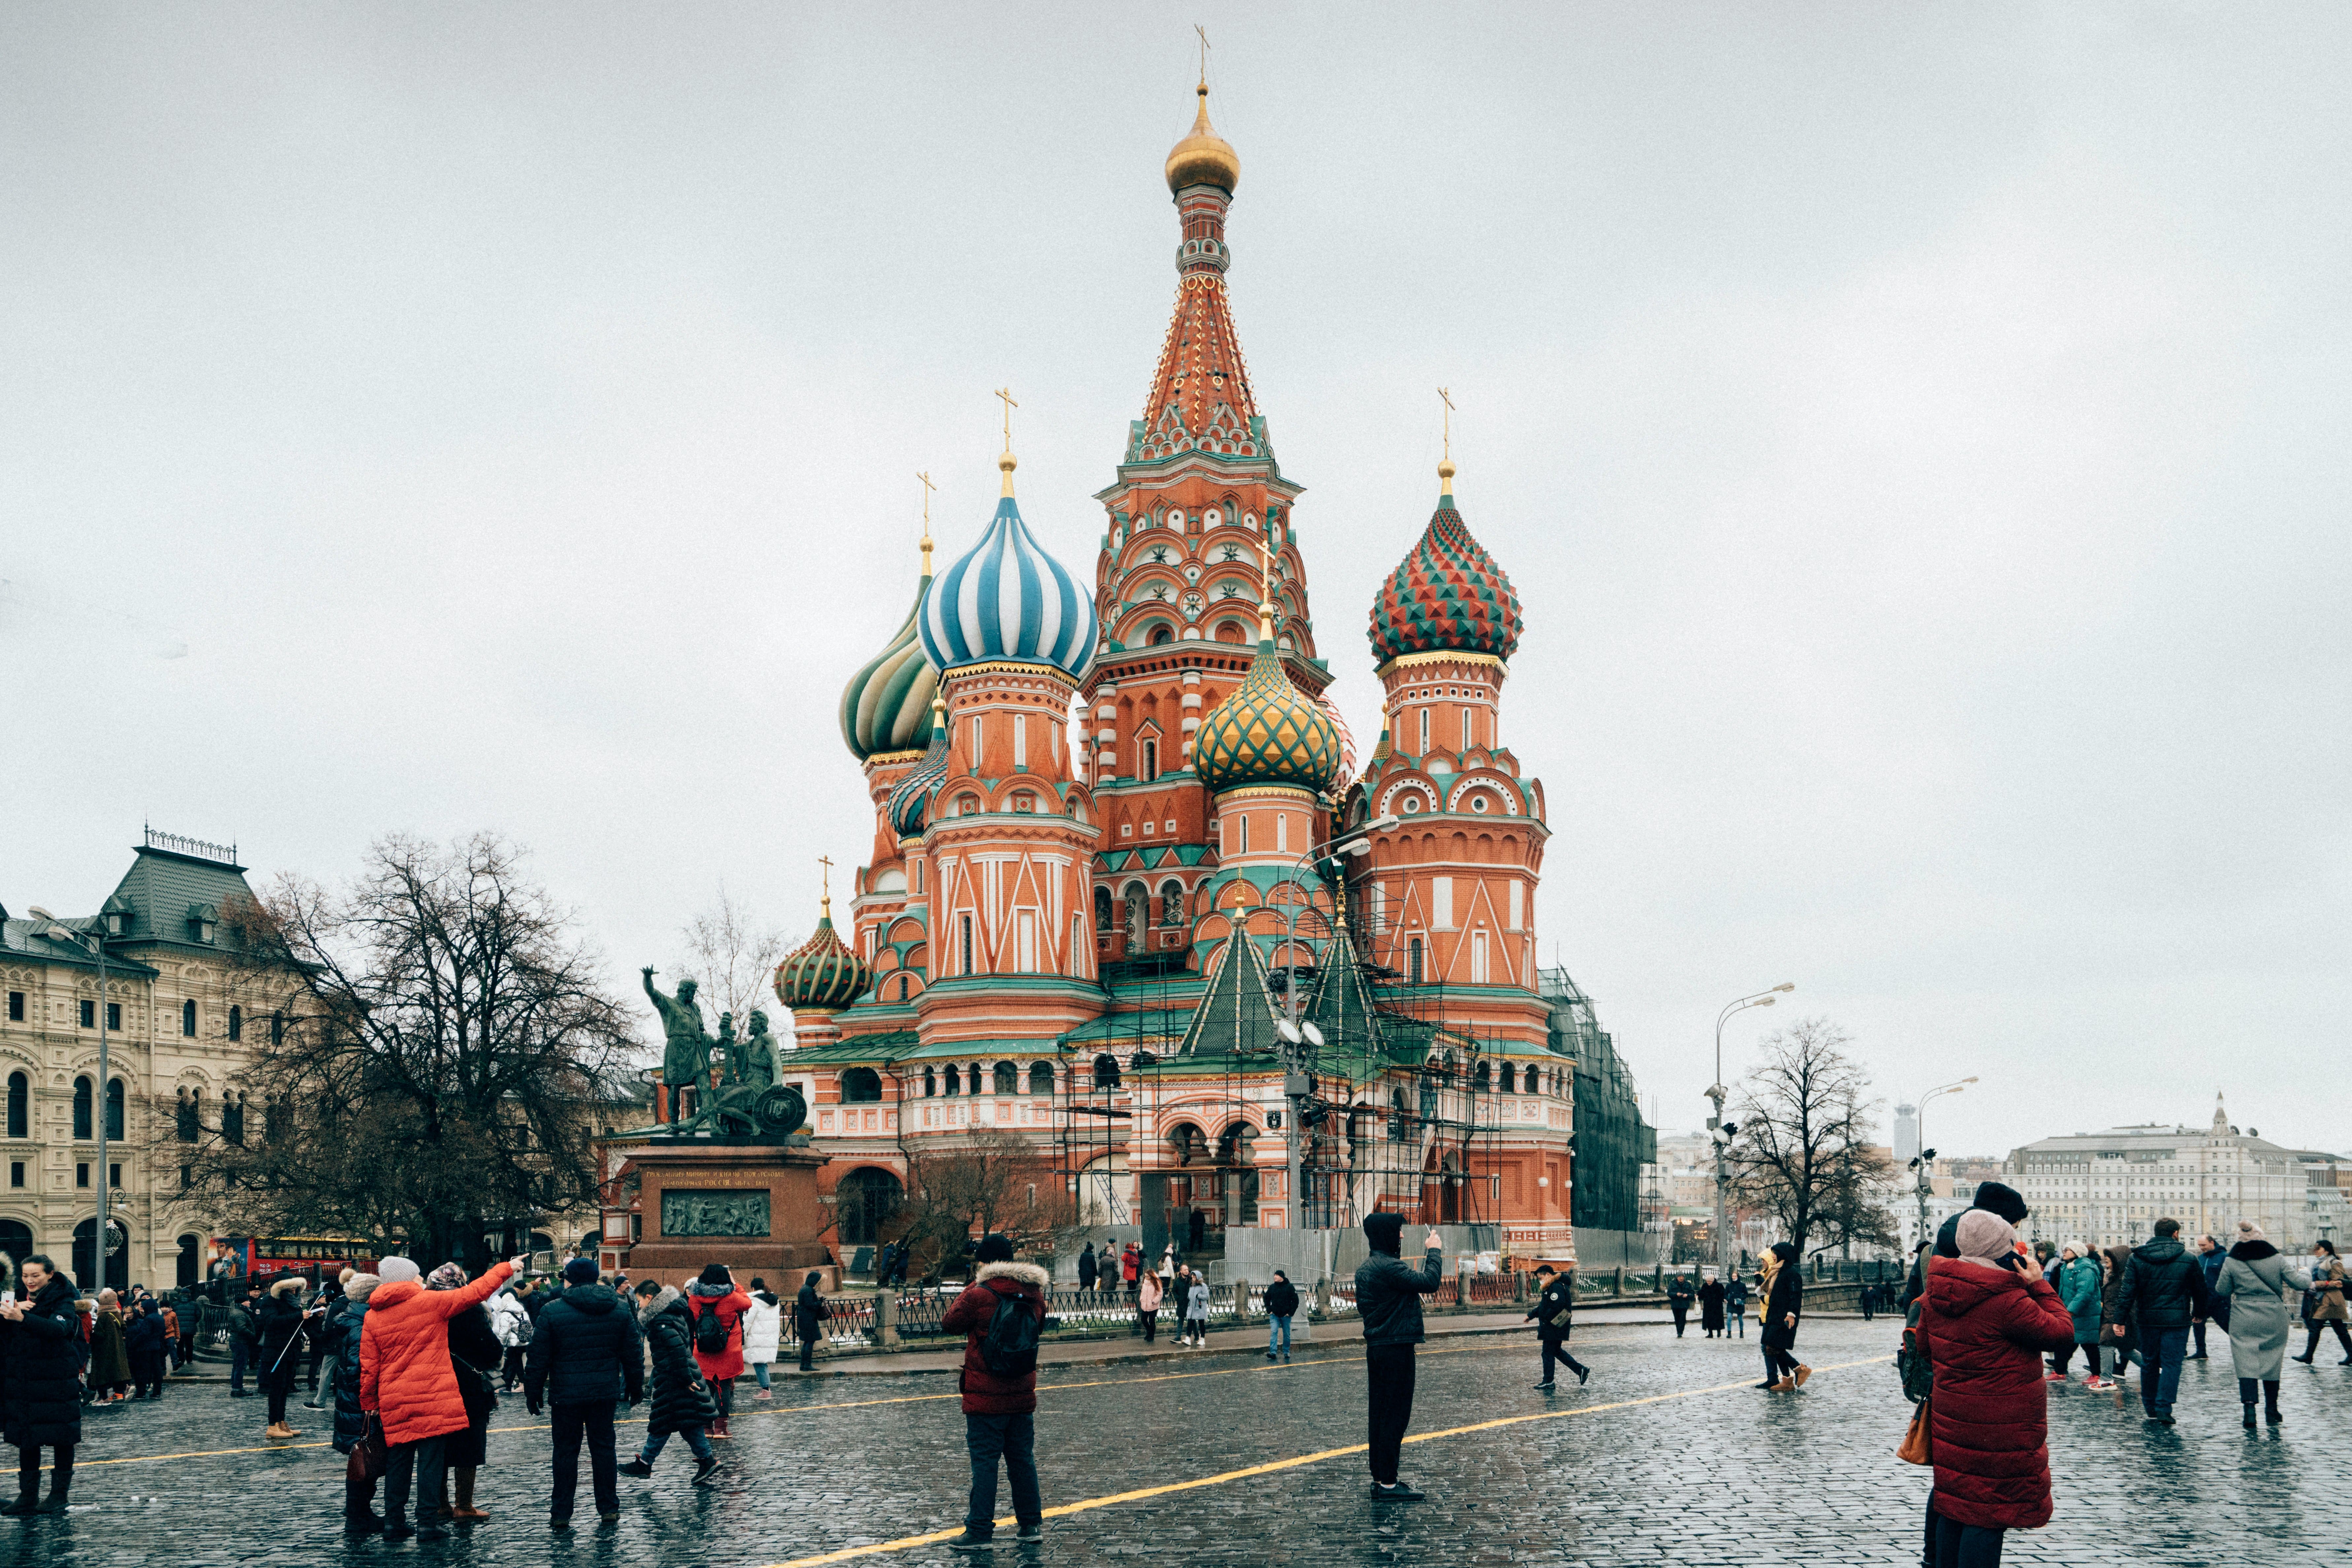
586, 1350
1282, 1300
280, 1318
343, 1330
2163, 1286
681, 1399
1388, 1296
40, 1370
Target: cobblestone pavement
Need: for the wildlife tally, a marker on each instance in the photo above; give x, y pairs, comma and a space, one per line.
1669, 1456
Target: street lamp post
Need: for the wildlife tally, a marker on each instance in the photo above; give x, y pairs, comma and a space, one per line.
1721, 1133
1299, 1041
95, 943
1925, 1161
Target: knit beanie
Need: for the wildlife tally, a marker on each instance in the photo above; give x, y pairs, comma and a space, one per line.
1984, 1236
448, 1276
1995, 1198
994, 1249
393, 1271
580, 1271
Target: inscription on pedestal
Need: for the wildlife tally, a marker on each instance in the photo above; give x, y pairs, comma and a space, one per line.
714, 1212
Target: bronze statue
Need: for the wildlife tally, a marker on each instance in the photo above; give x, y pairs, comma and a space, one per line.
686, 1061
759, 1051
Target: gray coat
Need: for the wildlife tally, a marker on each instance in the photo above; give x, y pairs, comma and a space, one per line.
2253, 1281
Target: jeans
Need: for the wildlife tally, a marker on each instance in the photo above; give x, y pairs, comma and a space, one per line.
2117, 1357
1388, 1379
2162, 1349
1015, 1438
278, 1393
760, 1369
1738, 1315
1557, 1350
696, 1439
1969, 1545
427, 1460
236, 1356
1151, 1324
594, 1422
1277, 1327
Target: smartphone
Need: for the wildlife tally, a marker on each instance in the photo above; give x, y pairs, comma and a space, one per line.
7, 1297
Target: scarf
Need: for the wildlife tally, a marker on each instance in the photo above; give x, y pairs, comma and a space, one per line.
1772, 1265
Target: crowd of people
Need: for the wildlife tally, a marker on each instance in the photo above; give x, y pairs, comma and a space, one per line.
1992, 1324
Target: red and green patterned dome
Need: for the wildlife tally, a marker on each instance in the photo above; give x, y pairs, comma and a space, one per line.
823, 974
1446, 596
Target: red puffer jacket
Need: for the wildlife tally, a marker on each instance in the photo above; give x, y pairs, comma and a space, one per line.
1985, 1331
985, 1393
730, 1308
405, 1372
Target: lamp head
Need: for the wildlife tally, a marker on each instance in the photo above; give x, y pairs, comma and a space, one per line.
1382, 824
1786, 985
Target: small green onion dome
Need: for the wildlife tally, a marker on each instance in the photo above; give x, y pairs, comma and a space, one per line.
886, 706
823, 974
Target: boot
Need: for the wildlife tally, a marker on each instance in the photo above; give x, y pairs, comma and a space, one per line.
2270, 1403
28, 1500
281, 1430
2250, 1417
58, 1486
465, 1508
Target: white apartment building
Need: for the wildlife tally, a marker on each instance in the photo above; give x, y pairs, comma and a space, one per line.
2109, 1187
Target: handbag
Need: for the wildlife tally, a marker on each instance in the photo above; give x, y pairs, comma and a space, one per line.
369, 1455
1918, 1445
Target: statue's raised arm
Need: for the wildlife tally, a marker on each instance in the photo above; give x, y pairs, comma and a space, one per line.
686, 1057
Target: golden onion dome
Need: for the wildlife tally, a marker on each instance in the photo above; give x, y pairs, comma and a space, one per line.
1268, 732
1203, 157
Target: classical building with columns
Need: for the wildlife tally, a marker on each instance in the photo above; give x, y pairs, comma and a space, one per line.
1218, 973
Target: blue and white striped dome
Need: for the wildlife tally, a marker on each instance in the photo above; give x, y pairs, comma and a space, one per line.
1006, 598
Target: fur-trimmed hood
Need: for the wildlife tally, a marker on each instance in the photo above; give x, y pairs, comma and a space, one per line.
1027, 1273
289, 1285
651, 1307
2253, 1251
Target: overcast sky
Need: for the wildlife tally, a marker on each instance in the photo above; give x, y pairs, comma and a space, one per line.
1918, 435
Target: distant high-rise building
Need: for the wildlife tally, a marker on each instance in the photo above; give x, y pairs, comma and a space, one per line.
1906, 1133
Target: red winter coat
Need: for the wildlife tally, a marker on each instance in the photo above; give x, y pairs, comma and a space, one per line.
1985, 1331
405, 1372
730, 1308
985, 1393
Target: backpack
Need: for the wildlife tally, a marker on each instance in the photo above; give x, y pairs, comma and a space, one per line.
711, 1331
1009, 1348
1911, 1360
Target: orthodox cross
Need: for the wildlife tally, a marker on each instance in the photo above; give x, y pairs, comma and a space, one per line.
1205, 49
1447, 398
928, 489
826, 861
1006, 392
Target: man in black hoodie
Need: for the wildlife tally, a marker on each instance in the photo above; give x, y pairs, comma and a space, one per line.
1388, 1303
587, 1353
2163, 1291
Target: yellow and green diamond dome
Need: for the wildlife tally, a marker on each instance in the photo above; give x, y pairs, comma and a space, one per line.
1267, 733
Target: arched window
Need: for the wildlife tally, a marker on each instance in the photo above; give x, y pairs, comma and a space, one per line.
278, 1118
277, 1028
189, 1242
1412, 961
1482, 1077
235, 1023
20, 1107
232, 1118
860, 1086
184, 1122
1105, 1071
930, 1084
1041, 1078
1510, 1075
950, 1081
1008, 1078
867, 1197
902, 988
1160, 633
1138, 910
188, 1017
114, 1109
1147, 767
1171, 902
1102, 910
972, 1083
1396, 1116
82, 1092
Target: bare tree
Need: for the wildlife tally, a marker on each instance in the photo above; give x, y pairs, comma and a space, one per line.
441, 1074
1803, 1153
734, 957
994, 1182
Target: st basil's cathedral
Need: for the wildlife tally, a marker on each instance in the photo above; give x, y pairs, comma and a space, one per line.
1218, 973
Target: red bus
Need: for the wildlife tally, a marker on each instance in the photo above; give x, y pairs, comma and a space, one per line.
318, 1257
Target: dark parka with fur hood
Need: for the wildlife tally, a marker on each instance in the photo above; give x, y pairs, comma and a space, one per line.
681, 1399
985, 1393
40, 1369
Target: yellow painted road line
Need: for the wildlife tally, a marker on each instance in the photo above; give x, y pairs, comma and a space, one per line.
804, 1409
848, 1554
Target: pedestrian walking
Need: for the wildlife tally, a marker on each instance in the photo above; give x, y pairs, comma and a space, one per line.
718, 1306
2210, 1257
109, 1360
809, 1312
510, 1321
1679, 1297
183, 1337
1734, 1304
1130, 1267
244, 1339
763, 1333
143, 1342
1986, 1319
2253, 1281
1710, 1306
1281, 1300
1001, 1315
1388, 1304
1554, 1314
2323, 1306
474, 1353
1088, 1269
2078, 1292
1147, 1304
407, 1383
279, 1354
41, 1355
1783, 1289
586, 1354
343, 1328
2118, 1340
2163, 1290
1196, 1313
682, 1401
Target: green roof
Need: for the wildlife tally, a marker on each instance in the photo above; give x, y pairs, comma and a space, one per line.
1151, 1024
887, 1046
163, 886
